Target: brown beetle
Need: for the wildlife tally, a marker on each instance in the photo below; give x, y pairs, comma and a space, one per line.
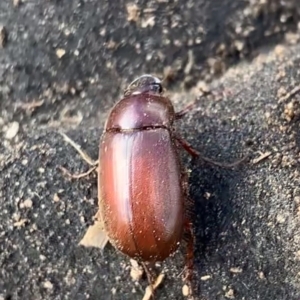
142, 187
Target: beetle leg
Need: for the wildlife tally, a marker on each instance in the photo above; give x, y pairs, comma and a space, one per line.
77, 176
189, 259
185, 110
190, 106
84, 156
149, 273
190, 252
77, 147
153, 284
196, 154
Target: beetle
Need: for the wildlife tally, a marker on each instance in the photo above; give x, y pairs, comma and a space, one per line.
142, 185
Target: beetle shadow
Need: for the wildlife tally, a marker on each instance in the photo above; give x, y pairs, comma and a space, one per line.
211, 188
234, 246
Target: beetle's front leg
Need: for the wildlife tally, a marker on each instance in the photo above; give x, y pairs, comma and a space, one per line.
180, 114
186, 110
84, 156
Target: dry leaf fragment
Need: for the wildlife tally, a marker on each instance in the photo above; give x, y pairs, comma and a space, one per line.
136, 271
20, 223
16, 3
95, 236
3, 36
133, 12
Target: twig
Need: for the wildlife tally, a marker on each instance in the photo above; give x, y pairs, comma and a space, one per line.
289, 95
31, 105
261, 157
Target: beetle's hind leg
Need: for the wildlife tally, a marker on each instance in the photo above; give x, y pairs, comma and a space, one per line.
84, 156
190, 240
188, 237
153, 280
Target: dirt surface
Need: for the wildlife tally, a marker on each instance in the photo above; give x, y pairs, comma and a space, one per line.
62, 66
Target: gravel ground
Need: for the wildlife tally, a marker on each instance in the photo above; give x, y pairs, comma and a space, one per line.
62, 66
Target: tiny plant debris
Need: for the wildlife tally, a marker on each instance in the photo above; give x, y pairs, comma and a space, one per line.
20, 223
262, 157
16, 3
133, 12
3, 37
136, 271
290, 94
31, 105
95, 236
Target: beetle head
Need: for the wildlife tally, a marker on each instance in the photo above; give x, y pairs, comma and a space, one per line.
144, 84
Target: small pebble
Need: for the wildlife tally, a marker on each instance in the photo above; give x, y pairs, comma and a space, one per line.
16, 3
230, 294
205, 277
60, 53
48, 285
185, 291
236, 270
56, 197
280, 219
26, 204
12, 130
